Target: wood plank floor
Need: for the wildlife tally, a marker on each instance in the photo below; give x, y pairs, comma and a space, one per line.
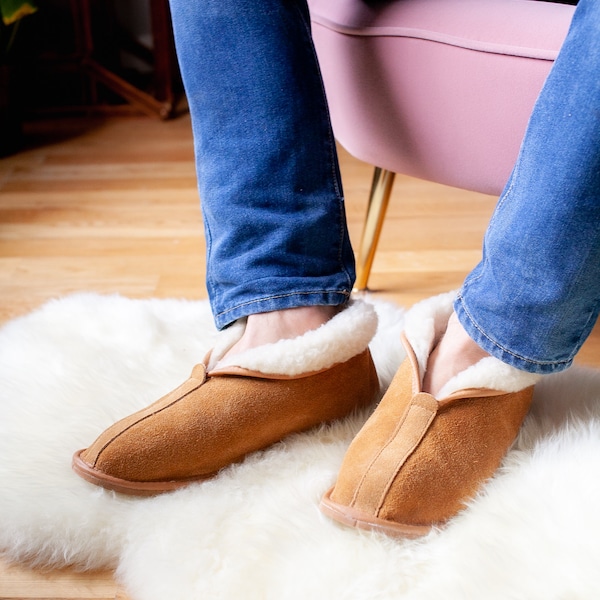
110, 205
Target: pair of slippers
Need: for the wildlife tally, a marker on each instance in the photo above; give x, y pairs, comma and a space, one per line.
413, 465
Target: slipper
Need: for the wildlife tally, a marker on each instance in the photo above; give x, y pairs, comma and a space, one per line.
418, 459
230, 408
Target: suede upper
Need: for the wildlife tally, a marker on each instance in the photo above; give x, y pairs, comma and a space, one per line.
214, 419
417, 460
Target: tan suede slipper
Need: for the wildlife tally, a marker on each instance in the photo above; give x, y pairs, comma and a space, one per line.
418, 460
227, 410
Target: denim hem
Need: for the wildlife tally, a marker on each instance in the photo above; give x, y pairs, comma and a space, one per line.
280, 302
478, 334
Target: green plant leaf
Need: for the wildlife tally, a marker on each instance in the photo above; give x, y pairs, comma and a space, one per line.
13, 10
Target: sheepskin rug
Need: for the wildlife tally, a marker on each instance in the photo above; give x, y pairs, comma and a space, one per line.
76, 365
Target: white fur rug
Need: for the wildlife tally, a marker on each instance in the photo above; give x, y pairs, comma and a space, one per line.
73, 367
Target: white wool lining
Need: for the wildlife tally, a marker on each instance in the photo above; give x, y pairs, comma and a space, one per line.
490, 373
426, 321
347, 334
225, 340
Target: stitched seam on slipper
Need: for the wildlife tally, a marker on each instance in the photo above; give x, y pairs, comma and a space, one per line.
178, 399
427, 419
416, 413
376, 457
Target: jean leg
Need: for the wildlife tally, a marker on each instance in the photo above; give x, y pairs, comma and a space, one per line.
535, 296
266, 162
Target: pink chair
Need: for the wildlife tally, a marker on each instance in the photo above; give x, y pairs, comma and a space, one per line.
437, 89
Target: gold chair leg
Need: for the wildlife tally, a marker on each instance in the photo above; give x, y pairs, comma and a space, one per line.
379, 198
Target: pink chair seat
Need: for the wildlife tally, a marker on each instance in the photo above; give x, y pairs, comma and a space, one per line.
437, 89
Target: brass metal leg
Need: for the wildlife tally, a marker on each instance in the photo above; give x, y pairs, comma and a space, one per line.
381, 190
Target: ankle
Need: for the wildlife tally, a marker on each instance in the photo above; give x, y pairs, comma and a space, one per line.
454, 353
270, 327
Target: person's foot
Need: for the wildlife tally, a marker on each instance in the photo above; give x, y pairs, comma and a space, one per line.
271, 327
454, 353
234, 404
419, 459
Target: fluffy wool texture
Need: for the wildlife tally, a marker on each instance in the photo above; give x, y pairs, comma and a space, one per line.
70, 369
426, 322
345, 335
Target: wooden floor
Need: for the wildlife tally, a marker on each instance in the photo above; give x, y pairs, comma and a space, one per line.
110, 205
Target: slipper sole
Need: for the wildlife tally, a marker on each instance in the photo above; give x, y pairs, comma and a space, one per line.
354, 518
131, 488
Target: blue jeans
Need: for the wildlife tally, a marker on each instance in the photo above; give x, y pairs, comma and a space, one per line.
266, 161
272, 197
535, 296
